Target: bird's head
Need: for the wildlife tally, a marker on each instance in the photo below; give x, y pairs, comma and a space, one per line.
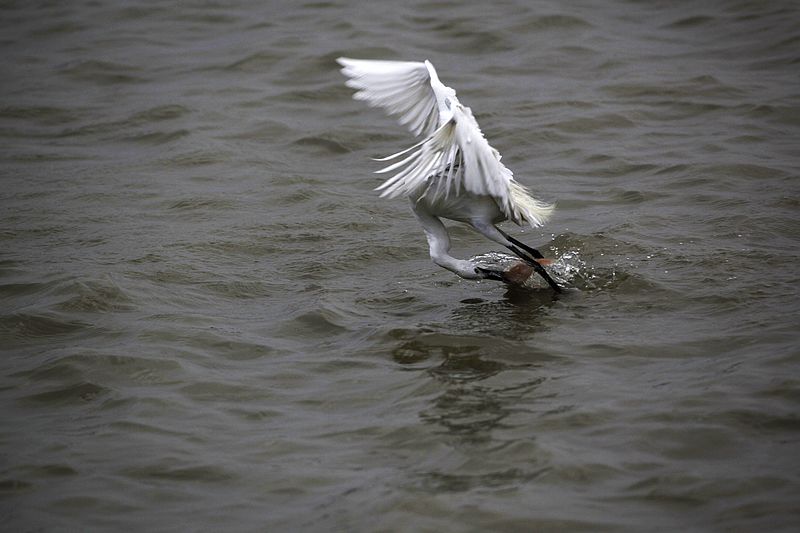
517, 274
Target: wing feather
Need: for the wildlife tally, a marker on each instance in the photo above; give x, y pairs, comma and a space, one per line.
453, 155
457, 156
402, 88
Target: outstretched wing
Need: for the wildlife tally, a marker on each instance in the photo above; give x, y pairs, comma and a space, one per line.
402, 88
457, 156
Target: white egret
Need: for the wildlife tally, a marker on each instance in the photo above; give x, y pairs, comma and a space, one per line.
453, 172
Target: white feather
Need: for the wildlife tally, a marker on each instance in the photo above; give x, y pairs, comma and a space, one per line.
402, 88
454, 155
480, 170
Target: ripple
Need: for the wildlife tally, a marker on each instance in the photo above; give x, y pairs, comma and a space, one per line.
466, 369
229, 345
11, 290
213, 391
103, 72
240, 289
691, 22
169, 472
593, 124
322, 323
551, 23
197, 158
630, 197
259, 62
322, 143
33, 326
96, 296
13, 486
742, 170
48, 470
267, 129
47, 115
72, 394
695, 490
705, 86
212, 203
137, 127
460, 352
112, 367
158, 137
511, 477
159, 113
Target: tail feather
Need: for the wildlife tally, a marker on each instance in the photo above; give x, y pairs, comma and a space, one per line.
527, 209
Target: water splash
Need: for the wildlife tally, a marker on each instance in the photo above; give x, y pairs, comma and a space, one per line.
572, 270
568, 267
569, 270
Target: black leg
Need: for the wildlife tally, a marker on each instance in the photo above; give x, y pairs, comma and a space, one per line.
533, 251
536, 266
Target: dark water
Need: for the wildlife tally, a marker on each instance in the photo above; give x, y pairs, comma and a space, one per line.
210, 321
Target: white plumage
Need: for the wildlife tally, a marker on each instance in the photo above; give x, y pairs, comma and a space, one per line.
453, 172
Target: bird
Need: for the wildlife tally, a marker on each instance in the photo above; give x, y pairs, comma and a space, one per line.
453, 172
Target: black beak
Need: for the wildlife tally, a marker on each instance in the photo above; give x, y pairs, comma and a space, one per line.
529, 256
490, 274
537, 267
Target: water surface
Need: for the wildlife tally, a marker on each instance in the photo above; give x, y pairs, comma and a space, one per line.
209, 320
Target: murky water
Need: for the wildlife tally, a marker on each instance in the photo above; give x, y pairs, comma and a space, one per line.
210, 321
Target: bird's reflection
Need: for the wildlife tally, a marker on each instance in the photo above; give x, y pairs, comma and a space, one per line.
487, 367
480, 340
517, 316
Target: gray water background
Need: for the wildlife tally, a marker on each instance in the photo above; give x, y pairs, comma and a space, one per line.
210, 322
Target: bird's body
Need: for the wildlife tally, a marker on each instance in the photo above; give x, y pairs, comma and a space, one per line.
453, 172
464, 207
